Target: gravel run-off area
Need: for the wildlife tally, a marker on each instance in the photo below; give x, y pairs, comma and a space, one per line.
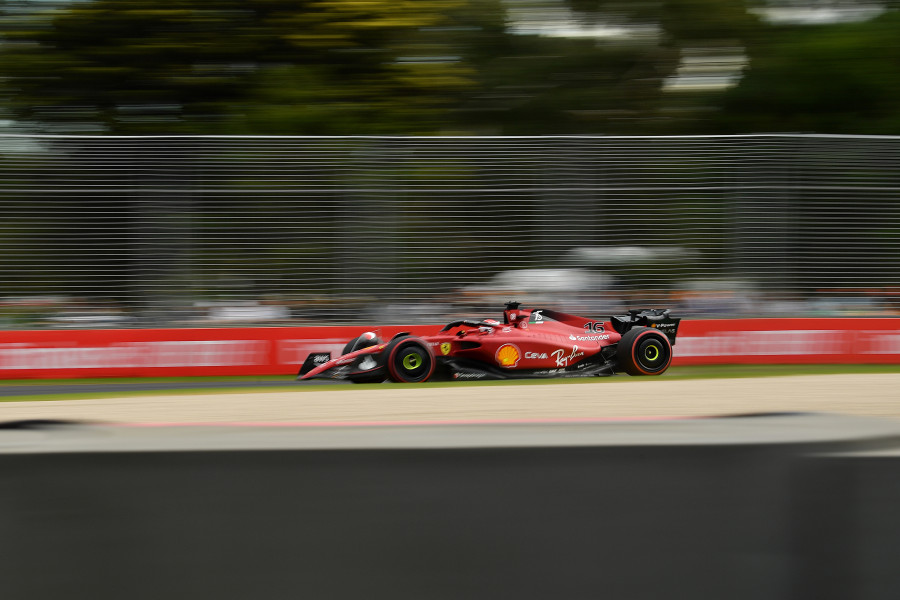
614, 398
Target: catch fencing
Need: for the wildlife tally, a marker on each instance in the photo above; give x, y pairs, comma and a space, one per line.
170, 231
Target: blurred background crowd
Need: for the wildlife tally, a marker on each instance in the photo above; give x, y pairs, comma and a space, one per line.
465, 152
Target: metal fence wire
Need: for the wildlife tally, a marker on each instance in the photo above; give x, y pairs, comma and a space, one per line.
210, 231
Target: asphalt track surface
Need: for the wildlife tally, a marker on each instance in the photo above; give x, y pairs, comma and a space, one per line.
637, 399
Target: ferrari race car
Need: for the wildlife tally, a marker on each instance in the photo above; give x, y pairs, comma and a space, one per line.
529, 343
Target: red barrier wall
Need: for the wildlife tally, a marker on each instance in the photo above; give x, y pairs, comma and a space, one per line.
788, 341
170, 352
280, 350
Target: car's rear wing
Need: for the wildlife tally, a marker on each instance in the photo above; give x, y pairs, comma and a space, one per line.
657, 318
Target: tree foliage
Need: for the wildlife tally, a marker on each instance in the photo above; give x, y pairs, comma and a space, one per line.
842, 78
269, 66
432, 66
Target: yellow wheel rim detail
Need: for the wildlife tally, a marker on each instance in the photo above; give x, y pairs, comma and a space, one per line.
412, 362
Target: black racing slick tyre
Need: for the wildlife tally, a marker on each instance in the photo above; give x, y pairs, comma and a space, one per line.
644, 351
410, 360
367, 378
366, 340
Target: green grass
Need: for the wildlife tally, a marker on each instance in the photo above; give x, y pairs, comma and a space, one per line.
728, 371
138, 393
194, 381
195, 385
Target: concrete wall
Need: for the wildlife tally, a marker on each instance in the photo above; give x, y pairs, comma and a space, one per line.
645, 521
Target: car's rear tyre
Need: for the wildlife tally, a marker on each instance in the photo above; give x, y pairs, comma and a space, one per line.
644, 351
410, 360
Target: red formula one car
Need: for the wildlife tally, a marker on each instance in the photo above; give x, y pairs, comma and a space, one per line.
527, 344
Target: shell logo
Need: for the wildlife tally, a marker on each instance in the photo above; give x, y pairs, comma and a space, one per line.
508, 355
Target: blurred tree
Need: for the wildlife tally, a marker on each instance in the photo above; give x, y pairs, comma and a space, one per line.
438, 66
694, 37
680, 21
130, 67
840, 78
557, 85
603, 66
263, 66
834, 78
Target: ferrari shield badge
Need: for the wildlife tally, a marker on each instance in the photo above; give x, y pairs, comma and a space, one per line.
445, 348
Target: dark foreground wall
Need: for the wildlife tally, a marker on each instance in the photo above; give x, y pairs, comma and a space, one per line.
652, 520
847, 526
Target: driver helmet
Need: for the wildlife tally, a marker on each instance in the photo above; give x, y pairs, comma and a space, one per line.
488, 328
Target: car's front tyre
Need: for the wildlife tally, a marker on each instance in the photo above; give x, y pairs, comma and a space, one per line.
366, 340
410, 360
